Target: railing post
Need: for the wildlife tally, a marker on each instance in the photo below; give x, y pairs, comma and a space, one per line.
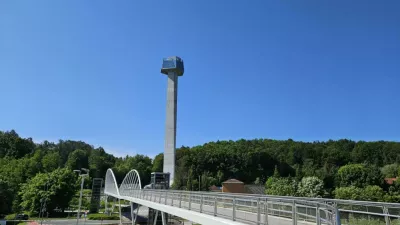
215, 206
258, 212
201, 203
266, 212
337, 215
166, 197
180, 200
386, 212
317, 215
294, 217
234, 209
190, 201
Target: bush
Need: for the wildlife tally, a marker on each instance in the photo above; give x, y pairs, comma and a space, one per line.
312, 187
369, 193
101, 216
358, 175
10, 216
281, 186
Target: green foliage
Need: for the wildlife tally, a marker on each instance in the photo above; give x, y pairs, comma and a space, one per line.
57, 187
77, 159
390, 171
358, 175
339, 164
141, 163
158, 163
6, 197
312, 187
369, 193
281, 186
276, 172
86, 196
10, 216
101, 216
351, 192
11, 145
51, 161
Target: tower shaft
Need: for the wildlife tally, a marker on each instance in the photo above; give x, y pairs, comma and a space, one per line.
170, 127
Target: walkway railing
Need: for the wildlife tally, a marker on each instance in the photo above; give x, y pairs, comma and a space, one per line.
241, 208
260, 209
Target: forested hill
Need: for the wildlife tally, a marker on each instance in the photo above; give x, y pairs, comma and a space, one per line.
331, 165
251, 160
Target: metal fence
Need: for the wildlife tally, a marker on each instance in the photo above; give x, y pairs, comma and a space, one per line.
243, 208
262, 209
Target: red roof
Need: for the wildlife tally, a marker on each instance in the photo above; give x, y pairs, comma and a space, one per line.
232, 181
390, 180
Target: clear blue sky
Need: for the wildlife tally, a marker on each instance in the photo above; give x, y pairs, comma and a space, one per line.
306, 70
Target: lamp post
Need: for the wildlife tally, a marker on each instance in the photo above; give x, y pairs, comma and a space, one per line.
80, 198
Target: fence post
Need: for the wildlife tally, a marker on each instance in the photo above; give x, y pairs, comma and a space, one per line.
215, 206
294, 217
258, 212
234, 209
318, 216
166, 197
190, 201
386, 212
337, 212
180, 200
266, 212
201, 203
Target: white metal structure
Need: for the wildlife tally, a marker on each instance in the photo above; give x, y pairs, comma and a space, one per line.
213, 208
80, 197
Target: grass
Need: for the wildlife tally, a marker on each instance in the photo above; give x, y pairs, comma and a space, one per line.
353, 221
101, 216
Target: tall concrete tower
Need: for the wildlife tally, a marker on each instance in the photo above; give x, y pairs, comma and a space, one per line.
172, 67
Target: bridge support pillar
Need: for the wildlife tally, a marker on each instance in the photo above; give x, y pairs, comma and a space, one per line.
163, 218
120, 212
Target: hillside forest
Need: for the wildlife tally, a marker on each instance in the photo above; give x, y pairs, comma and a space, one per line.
342, 169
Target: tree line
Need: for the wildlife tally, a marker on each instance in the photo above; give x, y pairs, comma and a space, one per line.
344, 169
30, 172
334, 169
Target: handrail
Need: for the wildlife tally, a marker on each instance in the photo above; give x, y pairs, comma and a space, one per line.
242, 208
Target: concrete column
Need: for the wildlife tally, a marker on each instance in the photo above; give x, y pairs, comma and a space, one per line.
170, 126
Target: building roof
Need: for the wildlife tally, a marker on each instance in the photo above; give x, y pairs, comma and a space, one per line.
390, 180
232, 181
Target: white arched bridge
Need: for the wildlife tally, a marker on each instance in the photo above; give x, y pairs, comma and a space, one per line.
219, 208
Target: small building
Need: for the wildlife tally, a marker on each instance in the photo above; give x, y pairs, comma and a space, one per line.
233, 186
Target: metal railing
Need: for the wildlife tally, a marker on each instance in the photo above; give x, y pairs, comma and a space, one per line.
261, 209
242, 208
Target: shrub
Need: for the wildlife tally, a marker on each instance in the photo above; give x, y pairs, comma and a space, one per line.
312, 187
101, 216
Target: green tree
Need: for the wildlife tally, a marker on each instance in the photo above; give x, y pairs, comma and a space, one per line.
99, 162
369, 193
13, 146
158, 163
276, 172
281, 186
58, 187
358, 175
189, 180
350, 192
311, 187
391, 170
77, 159
51, 161
6, 197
